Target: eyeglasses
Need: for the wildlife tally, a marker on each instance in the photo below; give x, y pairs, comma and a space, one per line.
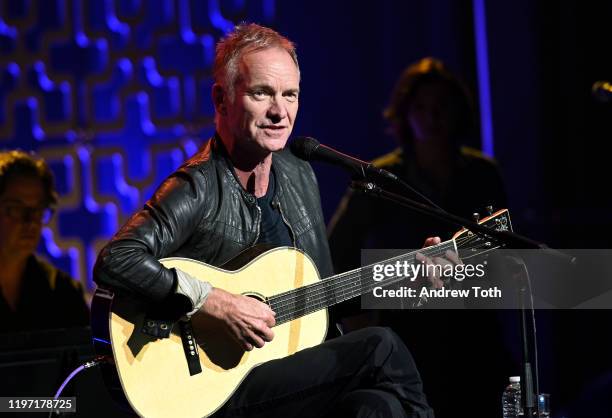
21, 213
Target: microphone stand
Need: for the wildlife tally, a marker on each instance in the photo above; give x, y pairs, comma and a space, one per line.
505, 238
530, 386
527, 390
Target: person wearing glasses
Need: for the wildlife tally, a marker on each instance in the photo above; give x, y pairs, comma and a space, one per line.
33, 294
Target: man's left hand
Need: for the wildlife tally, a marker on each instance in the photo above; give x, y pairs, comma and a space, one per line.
450, 258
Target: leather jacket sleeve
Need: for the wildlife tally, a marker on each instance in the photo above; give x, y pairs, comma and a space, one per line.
130, 260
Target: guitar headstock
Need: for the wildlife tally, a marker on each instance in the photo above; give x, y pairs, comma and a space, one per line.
470, 244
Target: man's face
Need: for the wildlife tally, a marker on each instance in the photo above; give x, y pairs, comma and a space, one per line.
261, 116
21, 207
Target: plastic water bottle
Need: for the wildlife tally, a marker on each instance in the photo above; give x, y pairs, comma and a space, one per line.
511, 399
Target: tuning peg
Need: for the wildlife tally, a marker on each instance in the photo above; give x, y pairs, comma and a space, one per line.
476, 216
489, 209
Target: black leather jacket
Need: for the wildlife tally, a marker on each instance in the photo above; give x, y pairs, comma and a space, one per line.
202, 212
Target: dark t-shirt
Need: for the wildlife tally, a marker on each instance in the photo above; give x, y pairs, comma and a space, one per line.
272, 229
49, 298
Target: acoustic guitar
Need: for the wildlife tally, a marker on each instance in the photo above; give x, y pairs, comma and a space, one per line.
196, 370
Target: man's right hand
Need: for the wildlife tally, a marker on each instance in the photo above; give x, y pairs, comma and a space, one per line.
246, 319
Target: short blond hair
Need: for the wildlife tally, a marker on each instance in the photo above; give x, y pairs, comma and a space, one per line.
245, 38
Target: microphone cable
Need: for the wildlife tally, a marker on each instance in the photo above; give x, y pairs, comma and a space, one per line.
87, 365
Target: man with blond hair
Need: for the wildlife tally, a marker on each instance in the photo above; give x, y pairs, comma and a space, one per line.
242, 189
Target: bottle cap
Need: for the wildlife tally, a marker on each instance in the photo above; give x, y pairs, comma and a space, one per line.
515, 379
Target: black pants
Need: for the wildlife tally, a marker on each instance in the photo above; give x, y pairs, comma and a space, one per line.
366, 373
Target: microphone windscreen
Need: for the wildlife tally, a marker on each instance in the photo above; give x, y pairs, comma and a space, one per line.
304, 147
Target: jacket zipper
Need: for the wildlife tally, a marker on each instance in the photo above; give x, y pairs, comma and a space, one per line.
258, 223
286, 222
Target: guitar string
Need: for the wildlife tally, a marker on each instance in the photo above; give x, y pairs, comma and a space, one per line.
344, 282
293, 313
286, 301
340, 280
348, 285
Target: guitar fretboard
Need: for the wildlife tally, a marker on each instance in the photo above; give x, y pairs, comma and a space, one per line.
341, 287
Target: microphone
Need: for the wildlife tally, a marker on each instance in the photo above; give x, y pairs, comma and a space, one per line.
309, 149
602, 91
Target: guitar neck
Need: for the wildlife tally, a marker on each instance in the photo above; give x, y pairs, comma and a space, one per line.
344, 286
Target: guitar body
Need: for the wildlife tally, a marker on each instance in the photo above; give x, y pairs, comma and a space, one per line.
154, 374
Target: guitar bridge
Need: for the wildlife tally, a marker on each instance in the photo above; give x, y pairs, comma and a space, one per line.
190, 348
